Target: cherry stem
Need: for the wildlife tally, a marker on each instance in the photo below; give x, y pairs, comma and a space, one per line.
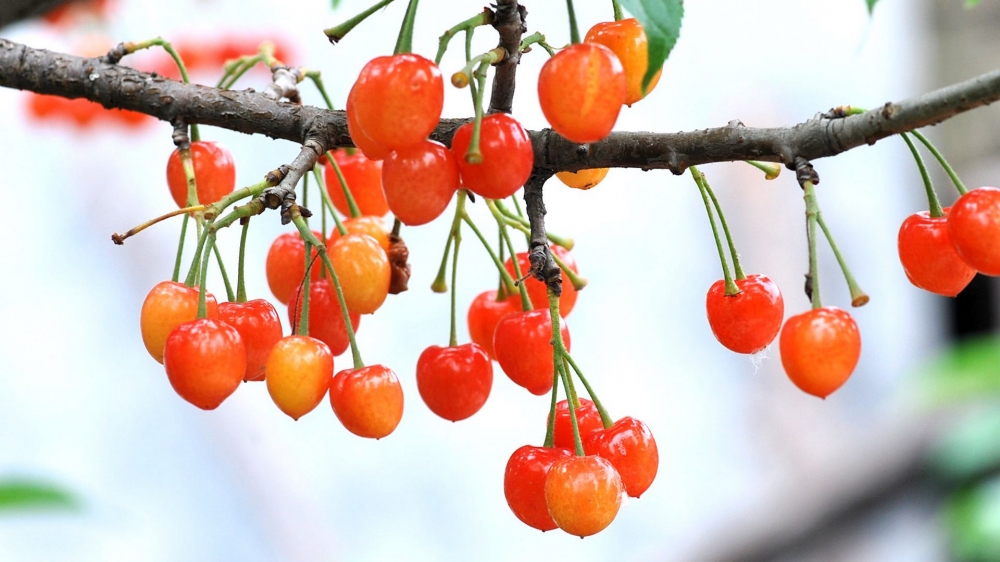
202, 292
321, 248
440, 285
230, 296
338, 32
193, 271
404, 44
166, 46
525, 301
236, 68
858, 297
550, 429
453, 336
518, 222
215, 209
180, 249
473, 155
932, 199
305, 291
328, 205
812, 215
770, 169
558, 349
618, 10
397, 225
501, 286
941, 160
699, 179
317, 81
468, 26
578, 282
574, 32
119, 239
725, 228
192, 183
352, 205
605, 417
241, 289
496, 261
536, 38
577, 442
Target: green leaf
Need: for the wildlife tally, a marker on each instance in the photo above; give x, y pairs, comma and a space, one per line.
972, 517
971, 3
25, 494
871, 5
970, 369
970, 449
662, 21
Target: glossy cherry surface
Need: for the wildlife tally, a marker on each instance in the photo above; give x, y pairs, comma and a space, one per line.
298, 374
521, 343
260, 327
627, 39
362, 268
363, 176
974, 229
368, 401
205, 360
928, 257
507, 156
583, 494
819, 349
372, 226
368, 146
420, 181
454, 382
484, 314
285, 265
581, 91
588, 420
326, 323
524, 484
214, 173
630, 447
748, 321
168, 305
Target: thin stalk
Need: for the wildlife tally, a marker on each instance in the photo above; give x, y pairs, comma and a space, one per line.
317, 81
215, 209
166, 46
501, 286
619, 16
725, 228
453, 336
243, 66
518, 222
241, 289
574, 32
496, 261
404, 44
605, 417
440, 285
482, 18
558, 348
699, 178
202, 292
180, 249
329, 205
352, 205
574, 279
858, 297
193, 275
230, 296
812, 214
305, 291
525, 301
932, 199
536, 38
771, 170
550, 428
941, 160
473, 155
338, 32
120, 238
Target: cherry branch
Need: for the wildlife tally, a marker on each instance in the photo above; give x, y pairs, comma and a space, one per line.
543, 266
509, 22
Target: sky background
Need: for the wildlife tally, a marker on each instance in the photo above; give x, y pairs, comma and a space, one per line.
83, 405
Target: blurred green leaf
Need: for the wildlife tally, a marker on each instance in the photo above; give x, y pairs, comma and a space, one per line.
972, 517
25, 494
871, 5
335, 4
971, 3
970, 369
662, 21
970, 449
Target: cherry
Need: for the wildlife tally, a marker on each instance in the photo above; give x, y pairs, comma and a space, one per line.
299, 370
583, 494
397, 100
260, 328
583, 179
368, 146
819, 349
928, 257
205, 360
419, 182
372, 226
368, 401
484, 314
974, 229
326, 323
523, 348
454, 381
524, 484
627, 39
537, 291
214, 173
581, 91
588, 420
507, 156
168, 305
363, 176
748, 321
630, 447
363, 270
286, 264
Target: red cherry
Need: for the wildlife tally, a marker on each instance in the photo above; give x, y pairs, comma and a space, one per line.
583, 494
929, 259
537, 291
372, 226
588, 420
627, 39
168, 305
454, 381
630, 447
371, 149
419, 182
368, 401
819, 349
507, 156
363, 176
299, 370
748, 321
523, 348
286, 264
974, 229
581, 91
363, 270
214, 173
326, 323
260, 328
524, 484
484, 314
397, 100
205, 360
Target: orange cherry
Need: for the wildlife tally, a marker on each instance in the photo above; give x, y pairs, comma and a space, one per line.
627, 39
368, 401
581, 91
298, 374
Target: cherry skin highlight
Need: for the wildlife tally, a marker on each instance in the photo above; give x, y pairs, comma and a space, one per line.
819, 349
583, 494
168, 305
454, 381
748, 321
521, 342
368, 401
326, 323
484, 314
363, 177
205, 360
363, 271
214, 173
260, 327
507, 156
627, 39
974, 229
581, 91
588, 420
419, 182
630, 447
928, 257
524, 484
298, 374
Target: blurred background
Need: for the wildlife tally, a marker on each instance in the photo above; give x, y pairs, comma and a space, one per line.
897, 465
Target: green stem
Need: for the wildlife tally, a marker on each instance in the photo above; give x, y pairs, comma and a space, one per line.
482, 18
180, 249
550, 428
496, 261
193, 275
605, 417
242, 66
812, 214
501, 286
338, 32
858, 297
453, 337
699, 179
725, 228
941, 160
619, 16
215, 209
771, 170
404, 44
578, 282
525, 301
536, 38
305, 290
241, 289
473, 155
202, 292
352, 205
558, 349
166, 46
932, 199
574, 32
329, 205
317, 81
230, 296
520, 223
440, 285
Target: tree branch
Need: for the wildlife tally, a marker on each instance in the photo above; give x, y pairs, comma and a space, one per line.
509, 23
543, 267
115, 86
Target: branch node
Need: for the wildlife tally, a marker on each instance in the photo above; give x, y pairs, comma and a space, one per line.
804, 172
